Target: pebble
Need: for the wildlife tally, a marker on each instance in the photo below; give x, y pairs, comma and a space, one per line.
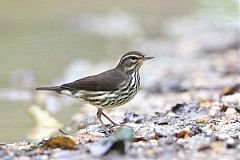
214, 110
231, 143
223, 136
235, 99
230, 111
171, 114
209, 128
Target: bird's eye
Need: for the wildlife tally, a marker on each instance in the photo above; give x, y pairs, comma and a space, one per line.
133, 58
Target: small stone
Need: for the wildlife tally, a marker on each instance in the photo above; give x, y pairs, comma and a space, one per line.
209, 128
238, 108
231, 143
223, 136
230, 111
203, 147
235, 98
214, 110
187, 129
171, 114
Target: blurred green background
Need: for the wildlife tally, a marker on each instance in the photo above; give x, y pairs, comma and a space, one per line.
44, 37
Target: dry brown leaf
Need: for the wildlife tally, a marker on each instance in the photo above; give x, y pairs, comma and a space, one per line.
60, 142
181, 134
139, 139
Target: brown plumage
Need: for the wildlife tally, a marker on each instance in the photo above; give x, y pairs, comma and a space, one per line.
111, 88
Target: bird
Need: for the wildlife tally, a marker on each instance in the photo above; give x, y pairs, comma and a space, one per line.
108, 89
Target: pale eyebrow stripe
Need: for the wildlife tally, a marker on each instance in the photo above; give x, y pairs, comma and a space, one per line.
131, 56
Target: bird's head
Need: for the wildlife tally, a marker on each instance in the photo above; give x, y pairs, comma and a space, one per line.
132, 61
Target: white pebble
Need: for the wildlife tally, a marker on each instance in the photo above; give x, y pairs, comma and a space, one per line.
230, 111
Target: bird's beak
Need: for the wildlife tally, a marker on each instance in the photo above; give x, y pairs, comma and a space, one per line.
147, 58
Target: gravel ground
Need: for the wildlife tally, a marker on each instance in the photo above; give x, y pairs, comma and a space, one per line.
186, 131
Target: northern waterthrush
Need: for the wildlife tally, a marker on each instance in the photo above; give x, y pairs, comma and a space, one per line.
109, 89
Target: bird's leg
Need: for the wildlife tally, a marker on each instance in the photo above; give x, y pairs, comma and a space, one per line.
99, 113
114, 124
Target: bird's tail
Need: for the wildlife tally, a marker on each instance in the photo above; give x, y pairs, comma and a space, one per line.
53, 88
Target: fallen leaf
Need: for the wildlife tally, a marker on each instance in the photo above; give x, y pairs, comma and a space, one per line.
60, 142
181, 134
139, 139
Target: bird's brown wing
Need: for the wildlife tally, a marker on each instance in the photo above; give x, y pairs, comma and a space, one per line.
106, 81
